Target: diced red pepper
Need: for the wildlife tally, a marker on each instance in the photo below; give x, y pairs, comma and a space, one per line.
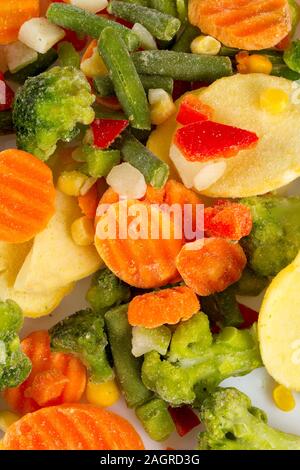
230, 220
106, 131
180, 87
207, 140
250, 316
6, 94
193, 110
184, 419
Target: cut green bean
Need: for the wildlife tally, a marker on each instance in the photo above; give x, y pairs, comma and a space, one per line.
182, 9
156, 419
183, 43
6, 122
160, 25
68, 56
105, 87
145, 3
128, 368
282, 70
43, 62
127, 83
164, 6
155, 171
182, 66
84, 22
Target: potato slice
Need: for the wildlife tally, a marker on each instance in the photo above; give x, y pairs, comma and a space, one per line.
33, 305
279, 327
55, 260
274, 162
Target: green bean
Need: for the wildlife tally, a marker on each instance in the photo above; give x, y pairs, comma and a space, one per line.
128, 368
282, 70
145, 3
156, 419
68, 56
43, 62
6, 122
98, 162
164, 6
182, 9
127, 83
155, 171
160, 25
104, 85
182, 66
84, 22
183, 43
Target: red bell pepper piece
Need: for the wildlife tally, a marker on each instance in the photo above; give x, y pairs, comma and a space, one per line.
193, 110
250, 316
106, 131
203, 141
184, 419
227, 220
6, 94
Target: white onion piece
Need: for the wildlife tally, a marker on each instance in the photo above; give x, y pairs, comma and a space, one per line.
209, 174
127, 181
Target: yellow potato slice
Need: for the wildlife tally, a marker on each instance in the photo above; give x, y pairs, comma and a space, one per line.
33, 305
279, 327
55, 260
274, 162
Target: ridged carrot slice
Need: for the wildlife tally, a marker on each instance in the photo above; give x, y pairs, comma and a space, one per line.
13, 13
245, 24
166, 306
212, 267
141, 255
55, 378
27, 196
72, 427
89, 202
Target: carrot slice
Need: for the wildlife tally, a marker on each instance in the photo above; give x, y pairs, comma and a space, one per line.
139, 251
154, 195
245, 24
27, 196
212, 267
166, 306
55, 378
13, 13
72, 427
89, 202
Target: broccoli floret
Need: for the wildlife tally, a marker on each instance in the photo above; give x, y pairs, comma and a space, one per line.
198, 361
49, 107
107, 291
83, 334
275, 238
14, 365
250, 284
222, 308
232, 423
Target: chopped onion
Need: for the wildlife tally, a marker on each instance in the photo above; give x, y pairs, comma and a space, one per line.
146, 38
40, 34
127, 181
94, 6
209, 174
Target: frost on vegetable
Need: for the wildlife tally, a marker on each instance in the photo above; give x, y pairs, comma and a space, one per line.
83, 334
150, 339
48, 109
14, 365
198, 361
275, 238
107, 291
232, 423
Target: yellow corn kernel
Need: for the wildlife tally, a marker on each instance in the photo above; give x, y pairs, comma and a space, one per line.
94, 66
7, 418
283, 398
71, 182
205, 45
82, 231
105, 394
255, 63
161, 106
274, 100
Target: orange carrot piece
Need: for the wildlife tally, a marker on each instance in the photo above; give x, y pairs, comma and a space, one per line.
72, 427
166, 306
141, 255
108, 197
27, 196
213, 267
89, 50
13, 13
154, 195
89, 202
244, 24
49, 372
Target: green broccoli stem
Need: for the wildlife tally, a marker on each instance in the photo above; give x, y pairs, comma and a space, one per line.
128, 368
232, 423
107, 291
156, 419
84, 22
